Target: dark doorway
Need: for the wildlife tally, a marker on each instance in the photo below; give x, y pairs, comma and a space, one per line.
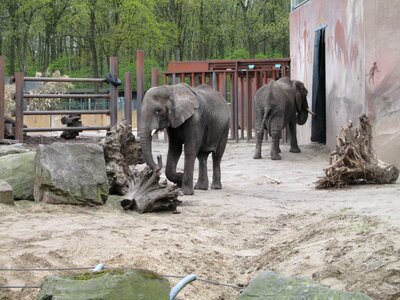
318, 123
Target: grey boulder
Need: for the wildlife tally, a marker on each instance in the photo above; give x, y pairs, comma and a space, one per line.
18, 171
270, 285
70, 174
12, 149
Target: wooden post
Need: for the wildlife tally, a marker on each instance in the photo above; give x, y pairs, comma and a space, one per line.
128, 98
19, 106
139, 85
113, 92
2, 97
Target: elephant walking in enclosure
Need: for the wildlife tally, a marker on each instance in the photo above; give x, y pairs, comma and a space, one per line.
197, 118
278, 104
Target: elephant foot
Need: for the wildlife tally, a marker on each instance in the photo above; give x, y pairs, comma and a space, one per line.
187, 190
201, 185
257, 156
275, 156
295, 150
216, 186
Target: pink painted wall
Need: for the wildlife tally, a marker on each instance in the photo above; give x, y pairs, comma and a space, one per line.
344, 40
358, 33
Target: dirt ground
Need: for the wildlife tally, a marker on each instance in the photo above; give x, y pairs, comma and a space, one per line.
347, 239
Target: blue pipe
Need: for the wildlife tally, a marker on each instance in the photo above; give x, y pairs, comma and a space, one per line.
98, 268
181, 284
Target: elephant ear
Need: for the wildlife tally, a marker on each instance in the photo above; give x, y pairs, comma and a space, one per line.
184, 102
300, 94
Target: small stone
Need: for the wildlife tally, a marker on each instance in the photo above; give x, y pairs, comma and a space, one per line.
6, 193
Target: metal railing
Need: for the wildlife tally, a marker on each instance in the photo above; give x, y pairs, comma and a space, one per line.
238, 82
20, 96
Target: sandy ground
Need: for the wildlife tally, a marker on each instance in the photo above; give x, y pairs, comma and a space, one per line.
347, 239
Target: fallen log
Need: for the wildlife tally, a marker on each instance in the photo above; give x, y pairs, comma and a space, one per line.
147, 194
355, 161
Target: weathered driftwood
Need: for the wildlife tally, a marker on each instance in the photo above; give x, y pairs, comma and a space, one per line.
147, 194
71, 120
355, 161
121, 150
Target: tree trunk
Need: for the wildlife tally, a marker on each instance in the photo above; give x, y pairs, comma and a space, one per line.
147, 194
354, 160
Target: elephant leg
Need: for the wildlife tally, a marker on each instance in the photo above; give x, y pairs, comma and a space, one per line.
217, 157
260, 135
202, 181
294, 147
275, 136
174, 152
187, 179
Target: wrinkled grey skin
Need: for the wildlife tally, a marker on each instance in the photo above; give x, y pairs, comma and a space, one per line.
279, 104
195, 117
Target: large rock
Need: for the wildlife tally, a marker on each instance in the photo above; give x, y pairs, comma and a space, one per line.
12, 149
270, 285
18, 171
106, 285
6, 193
70, 174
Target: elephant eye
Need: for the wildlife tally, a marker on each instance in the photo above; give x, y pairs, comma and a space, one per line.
157, 111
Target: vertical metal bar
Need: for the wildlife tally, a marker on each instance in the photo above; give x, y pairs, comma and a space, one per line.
165, 79
128, 98
249, 106
155, 81
193, 80
182, 77
265, 77
235, 104
139, 85
19, 106
222, 86
113, 92
214, 81
173, 78
203, 78
2, 96
242, 107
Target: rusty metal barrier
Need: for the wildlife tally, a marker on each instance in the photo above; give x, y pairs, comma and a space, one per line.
112, 96
236, 80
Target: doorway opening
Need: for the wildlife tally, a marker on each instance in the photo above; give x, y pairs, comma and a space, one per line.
318, 122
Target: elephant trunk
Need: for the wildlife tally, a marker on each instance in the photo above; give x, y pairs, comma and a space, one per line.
145, 143
302, 116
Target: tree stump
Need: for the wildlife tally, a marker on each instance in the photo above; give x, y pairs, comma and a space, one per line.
147, 194
71, 120
121, 150
355, 161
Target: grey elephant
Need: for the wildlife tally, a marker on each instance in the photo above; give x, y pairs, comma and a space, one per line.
197, 118
279, 104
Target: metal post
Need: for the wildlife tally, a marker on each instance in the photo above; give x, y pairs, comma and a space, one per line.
2, 97
242, 107
249, 106
235, 105
139, 85
155, 81
193, 80
113, 92
128, 98
19, 106
214, 81
173, 78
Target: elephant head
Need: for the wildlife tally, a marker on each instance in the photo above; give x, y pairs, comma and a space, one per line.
301, 102
164, 106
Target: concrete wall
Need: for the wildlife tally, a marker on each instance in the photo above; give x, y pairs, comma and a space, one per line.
359, 33
382, 41
344, 48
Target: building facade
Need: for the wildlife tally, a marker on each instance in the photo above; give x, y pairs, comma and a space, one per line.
347, 52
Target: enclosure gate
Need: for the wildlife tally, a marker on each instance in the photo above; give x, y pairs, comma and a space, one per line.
112, 96
236, 80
